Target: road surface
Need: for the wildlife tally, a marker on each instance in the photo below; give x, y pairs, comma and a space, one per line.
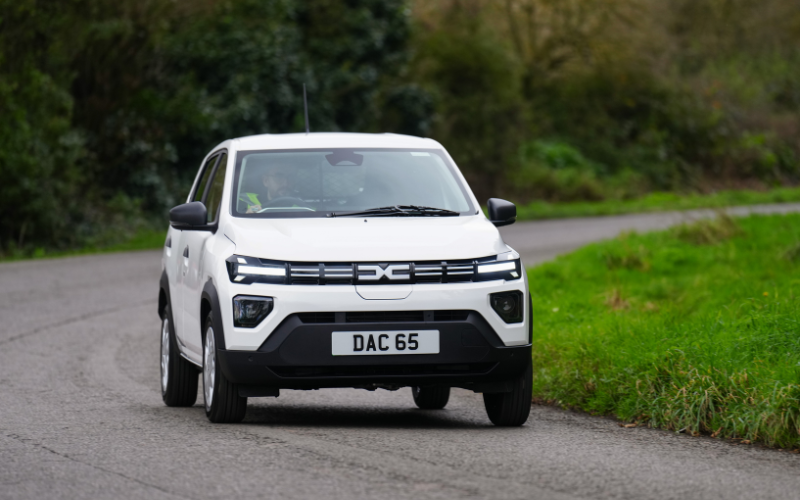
81, 414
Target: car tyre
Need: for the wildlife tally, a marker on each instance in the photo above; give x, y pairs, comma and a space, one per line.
221, 397
431, 398
511, 409
178, 376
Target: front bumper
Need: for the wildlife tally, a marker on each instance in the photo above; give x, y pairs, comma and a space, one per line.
294, 299
297, 355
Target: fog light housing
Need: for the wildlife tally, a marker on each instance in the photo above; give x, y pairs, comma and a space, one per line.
249, 311
508, 305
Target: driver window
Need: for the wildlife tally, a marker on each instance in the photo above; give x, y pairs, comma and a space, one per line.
214, 195
200, 189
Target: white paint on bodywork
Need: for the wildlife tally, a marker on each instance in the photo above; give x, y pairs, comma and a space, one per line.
382, 239
384, 292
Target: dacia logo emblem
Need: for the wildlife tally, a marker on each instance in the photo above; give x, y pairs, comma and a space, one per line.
376, 272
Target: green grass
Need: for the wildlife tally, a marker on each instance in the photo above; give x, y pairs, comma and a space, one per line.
143, 239
656, 202
696, 329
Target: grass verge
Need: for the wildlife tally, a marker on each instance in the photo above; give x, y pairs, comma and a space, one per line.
656, 202
696, 329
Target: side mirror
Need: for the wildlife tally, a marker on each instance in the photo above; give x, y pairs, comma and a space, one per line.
189, 216
501, 212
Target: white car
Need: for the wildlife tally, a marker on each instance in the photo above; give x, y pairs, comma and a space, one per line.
308, 261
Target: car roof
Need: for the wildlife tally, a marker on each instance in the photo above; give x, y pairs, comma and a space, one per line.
332, 140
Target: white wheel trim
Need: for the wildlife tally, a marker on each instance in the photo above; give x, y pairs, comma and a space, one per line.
164, 355
209, 368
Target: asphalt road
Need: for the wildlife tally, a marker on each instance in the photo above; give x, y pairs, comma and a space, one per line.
81, 414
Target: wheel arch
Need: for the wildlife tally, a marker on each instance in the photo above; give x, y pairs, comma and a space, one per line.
209, 303
163, 294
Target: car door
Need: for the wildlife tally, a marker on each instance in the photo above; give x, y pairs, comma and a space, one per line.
195, 248
180, 245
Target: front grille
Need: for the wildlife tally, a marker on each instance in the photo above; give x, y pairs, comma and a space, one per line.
247, 270
304, 273
321, 273
383, 316
382, 370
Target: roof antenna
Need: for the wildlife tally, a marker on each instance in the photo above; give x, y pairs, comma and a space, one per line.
305, 107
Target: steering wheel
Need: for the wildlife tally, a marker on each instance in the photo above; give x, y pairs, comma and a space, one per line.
285, 201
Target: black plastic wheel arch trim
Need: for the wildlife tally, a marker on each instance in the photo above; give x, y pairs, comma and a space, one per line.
210, 294
164, 287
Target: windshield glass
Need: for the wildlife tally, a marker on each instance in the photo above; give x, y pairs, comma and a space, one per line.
318, 182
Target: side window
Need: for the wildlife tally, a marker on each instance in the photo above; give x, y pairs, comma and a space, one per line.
201, 186
214, 196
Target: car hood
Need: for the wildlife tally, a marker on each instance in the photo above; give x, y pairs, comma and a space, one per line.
374, 239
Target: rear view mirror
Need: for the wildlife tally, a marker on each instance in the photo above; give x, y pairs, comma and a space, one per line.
501, 212
189, 216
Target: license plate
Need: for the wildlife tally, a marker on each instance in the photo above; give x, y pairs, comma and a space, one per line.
376, 343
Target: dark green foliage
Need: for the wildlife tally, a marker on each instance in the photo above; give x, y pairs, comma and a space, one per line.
631, 121
673, 95
111, 104
554, 170
38, 147
479, 110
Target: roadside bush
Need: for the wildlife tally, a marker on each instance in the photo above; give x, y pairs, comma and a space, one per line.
627, 120
535, 181
558, 172
558, 155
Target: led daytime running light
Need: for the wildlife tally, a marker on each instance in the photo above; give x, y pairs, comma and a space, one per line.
261, 271
497, 268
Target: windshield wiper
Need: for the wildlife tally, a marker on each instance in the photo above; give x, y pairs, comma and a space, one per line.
398, 211
430, 210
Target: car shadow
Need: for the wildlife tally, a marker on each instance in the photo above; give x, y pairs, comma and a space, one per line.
359, 416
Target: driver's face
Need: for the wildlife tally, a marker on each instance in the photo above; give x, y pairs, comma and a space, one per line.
277, 183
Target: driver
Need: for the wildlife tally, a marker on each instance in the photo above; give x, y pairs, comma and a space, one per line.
277, 180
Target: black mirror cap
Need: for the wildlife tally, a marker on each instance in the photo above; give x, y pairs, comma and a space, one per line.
191, 215
501, 212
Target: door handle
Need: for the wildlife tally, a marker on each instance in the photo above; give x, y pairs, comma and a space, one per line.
186, 252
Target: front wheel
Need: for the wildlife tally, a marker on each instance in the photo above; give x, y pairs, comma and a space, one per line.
222, 401
178, 376
431, 398
511, 409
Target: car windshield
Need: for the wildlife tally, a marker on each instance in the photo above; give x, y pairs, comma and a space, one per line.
333, 182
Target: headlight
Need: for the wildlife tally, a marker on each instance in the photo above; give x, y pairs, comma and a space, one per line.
249, 311
505, 266
248, 270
